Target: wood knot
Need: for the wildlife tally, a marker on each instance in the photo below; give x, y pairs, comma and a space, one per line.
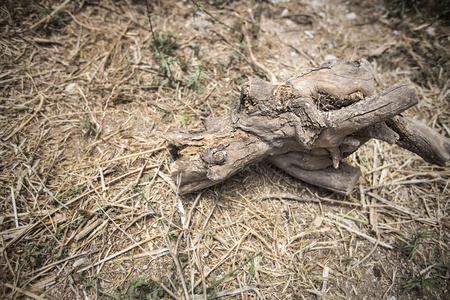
283, 93
215, 155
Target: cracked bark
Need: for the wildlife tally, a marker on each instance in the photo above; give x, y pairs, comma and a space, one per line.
305, 127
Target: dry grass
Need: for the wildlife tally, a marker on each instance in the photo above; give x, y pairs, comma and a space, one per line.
97, 216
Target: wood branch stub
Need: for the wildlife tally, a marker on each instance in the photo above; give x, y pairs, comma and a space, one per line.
417, 137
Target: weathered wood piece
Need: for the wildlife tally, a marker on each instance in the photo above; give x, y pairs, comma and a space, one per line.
305, 126
417, 137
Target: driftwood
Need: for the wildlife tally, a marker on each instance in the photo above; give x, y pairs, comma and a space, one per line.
305, 127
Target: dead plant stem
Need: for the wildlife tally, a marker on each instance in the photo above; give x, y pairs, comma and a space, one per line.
41, 103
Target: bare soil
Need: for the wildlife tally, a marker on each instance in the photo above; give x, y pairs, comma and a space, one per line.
88, 209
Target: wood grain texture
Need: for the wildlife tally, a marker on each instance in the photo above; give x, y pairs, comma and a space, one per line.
305, 127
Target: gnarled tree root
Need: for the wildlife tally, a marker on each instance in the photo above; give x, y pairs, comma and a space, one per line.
305, 127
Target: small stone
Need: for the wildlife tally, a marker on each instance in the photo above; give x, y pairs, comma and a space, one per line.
79, 262
317, 222
70, 87
329, 57
298, 217
351, 16
431, 30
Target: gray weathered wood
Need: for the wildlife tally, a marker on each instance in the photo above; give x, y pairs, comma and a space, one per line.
305, 126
